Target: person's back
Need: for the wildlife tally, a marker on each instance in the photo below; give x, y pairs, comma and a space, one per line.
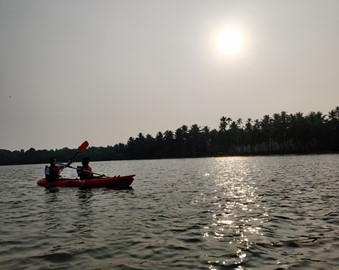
52, 172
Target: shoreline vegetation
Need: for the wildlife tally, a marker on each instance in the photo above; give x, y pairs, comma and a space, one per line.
279, 134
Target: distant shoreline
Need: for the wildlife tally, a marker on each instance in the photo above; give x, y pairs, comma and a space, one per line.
193, 157
280, 134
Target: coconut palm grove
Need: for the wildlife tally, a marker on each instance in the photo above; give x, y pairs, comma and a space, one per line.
281, 133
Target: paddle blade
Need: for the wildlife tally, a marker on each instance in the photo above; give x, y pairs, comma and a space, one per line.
83, 146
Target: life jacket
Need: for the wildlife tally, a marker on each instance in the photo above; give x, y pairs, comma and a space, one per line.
84, 172
52, 173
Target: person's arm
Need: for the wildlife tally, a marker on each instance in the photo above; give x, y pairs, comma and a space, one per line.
91, 173
61, 167
68, 163
47, 171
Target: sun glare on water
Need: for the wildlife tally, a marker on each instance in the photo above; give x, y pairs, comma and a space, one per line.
229, 42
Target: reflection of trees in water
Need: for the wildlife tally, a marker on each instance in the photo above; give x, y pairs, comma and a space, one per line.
68, 222
84, 219
52, 204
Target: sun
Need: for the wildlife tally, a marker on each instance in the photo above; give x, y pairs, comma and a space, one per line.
229, 41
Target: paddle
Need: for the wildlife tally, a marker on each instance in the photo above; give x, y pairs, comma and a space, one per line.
102, 175
94, 173
81, 148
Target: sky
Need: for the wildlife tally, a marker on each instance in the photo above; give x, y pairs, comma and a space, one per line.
107, 70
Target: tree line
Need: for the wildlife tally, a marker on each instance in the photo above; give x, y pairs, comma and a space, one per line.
281, 133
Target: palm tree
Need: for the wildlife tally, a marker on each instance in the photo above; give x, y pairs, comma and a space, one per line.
298, 132
247, 135
181, 138
224, 121
194, 139
168, 143
266, 132
333, 128
280, 127
234, 136
316, 124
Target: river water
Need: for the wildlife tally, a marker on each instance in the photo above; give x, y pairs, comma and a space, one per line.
277, 212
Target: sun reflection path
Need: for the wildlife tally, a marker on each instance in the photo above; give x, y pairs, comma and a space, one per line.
236, 211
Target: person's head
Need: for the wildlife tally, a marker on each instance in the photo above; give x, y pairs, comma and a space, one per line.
85, 161
52, 160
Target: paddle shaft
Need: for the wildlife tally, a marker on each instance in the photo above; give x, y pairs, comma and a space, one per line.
77, 168
81, 148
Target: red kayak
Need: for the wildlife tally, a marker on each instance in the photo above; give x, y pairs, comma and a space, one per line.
117, 182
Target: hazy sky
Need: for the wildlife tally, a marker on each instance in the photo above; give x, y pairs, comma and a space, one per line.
105, 70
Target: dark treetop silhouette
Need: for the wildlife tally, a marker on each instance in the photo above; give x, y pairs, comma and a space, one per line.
281, 133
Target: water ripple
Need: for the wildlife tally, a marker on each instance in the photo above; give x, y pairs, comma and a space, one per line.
211, 213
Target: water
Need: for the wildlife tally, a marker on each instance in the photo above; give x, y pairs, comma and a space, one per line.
277, 212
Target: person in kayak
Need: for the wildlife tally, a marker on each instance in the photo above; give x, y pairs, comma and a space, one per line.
85, 172
52, 172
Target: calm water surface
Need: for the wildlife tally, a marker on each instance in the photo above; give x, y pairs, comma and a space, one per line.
279, 212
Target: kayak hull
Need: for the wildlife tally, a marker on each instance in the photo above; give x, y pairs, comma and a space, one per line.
117, 182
